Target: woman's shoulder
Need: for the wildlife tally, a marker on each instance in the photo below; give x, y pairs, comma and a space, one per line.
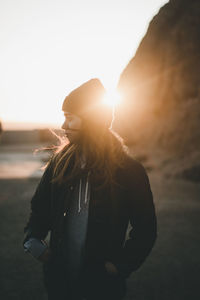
133, 165
132, 172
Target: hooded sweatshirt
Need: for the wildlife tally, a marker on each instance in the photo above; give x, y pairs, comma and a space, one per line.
75, 229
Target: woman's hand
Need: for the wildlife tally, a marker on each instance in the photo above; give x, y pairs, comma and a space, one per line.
44, 257
111, 268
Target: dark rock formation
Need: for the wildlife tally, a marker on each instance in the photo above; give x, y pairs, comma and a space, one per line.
161, 85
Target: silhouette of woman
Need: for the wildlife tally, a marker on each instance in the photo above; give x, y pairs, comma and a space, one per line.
89, 193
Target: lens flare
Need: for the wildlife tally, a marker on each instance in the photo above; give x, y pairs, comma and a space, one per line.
112, 98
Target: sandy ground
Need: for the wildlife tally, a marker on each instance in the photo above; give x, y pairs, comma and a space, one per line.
22, 161
170, 272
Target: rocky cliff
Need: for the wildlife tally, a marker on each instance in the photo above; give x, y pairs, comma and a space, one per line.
161, 89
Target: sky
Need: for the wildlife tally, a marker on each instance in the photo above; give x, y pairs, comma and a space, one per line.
48, 48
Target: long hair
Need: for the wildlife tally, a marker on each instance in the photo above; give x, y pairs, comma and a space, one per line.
103, 150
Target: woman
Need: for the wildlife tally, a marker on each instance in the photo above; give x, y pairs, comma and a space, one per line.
88, 194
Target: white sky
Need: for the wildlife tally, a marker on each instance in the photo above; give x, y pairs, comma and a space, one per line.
49, 47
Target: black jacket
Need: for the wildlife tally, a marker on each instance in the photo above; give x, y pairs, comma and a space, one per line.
110, 211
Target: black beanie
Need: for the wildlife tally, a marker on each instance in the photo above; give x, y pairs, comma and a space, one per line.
86, 101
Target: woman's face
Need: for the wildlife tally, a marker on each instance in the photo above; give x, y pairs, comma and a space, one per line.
72, 126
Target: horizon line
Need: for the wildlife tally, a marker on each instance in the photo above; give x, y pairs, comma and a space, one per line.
20, 126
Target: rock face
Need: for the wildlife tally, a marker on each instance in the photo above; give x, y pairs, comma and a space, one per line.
161, 85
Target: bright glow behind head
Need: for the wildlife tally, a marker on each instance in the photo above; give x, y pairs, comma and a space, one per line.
112, 98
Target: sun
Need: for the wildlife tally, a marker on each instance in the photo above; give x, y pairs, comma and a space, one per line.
112, 98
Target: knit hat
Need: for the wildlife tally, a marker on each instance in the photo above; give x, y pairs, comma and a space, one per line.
86, 101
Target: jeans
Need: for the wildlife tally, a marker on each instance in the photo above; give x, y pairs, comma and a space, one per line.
94, 283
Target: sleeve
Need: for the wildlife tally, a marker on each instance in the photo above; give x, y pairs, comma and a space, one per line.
142, 218
39, 221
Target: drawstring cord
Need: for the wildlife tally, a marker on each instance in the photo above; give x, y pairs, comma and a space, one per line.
86, 192
79, 196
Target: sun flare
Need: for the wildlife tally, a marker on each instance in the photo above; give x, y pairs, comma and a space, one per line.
112, 98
